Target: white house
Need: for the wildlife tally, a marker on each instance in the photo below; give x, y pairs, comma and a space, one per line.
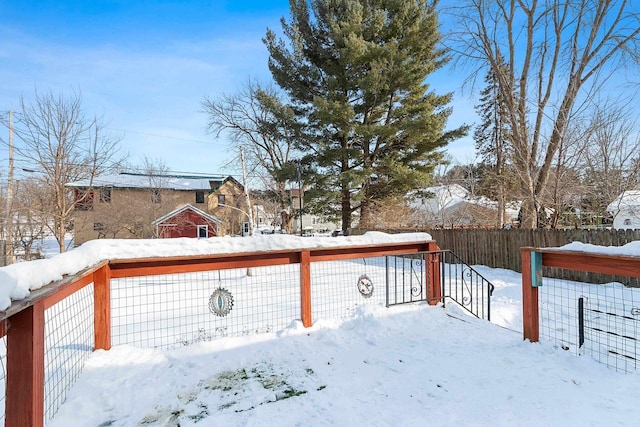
626, 210
453, 206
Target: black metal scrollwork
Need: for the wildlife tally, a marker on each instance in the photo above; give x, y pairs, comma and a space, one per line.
416, 269
467, 273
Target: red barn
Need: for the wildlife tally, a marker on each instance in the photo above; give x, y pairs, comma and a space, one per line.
187, 221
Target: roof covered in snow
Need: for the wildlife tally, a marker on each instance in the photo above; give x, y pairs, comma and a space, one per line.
168, 181
629, 199
446, 196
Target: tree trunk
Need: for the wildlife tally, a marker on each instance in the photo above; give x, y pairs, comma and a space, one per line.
60, 236
346, 209
366, 217
529, 218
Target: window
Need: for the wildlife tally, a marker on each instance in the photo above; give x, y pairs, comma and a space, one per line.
105, 195
98, 226
83, 200
155, 196
203, 231
199, 196
221, 199
627, 221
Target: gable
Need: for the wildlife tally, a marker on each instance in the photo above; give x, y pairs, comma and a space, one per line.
228, 183
187, 210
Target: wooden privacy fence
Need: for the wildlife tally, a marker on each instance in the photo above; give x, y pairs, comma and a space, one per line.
24, 324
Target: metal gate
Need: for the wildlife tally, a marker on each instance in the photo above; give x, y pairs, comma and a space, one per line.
408, 277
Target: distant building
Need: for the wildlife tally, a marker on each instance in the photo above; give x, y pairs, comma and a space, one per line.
626, 210
453, 206
129, 205
187, 221
311, 224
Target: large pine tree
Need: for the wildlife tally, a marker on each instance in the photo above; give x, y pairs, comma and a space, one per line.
355, 72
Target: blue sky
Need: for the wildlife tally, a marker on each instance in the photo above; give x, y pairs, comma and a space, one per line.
147, 65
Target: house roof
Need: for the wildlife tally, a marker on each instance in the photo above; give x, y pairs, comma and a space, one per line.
446, 196
454, 196
629, 199
192, 208
165, 181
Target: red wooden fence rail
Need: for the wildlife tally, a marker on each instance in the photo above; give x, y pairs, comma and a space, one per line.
24, 322
581, 261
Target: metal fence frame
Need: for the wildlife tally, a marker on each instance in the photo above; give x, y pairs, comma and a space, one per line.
459, 282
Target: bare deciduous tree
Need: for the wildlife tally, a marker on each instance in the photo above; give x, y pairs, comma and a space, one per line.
611, 156
256, 119
557, 52
133, 214
29, 220
56, 138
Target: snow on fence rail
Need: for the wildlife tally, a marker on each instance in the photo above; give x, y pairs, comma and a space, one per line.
50, 334
599, 320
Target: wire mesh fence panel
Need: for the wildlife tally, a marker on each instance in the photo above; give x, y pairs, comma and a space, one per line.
601, 321
179, 309
69, 341
3, 377
406, 279
338, 287
558, 312
610, 323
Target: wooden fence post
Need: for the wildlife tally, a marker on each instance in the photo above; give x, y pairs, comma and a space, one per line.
102, 308
25, 368
530, 321
434, 294
305, 288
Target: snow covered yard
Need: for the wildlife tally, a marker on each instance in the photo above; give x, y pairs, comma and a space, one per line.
404, 366
409, 365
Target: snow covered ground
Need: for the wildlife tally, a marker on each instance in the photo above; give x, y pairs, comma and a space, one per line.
412, 365
404, 366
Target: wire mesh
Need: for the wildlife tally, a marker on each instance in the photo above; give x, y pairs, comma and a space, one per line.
558, 312
339, 287
599, 320
69, 339
611, 329
3, 377
172, 310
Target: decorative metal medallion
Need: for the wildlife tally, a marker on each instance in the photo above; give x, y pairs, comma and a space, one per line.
221, 302
365, 286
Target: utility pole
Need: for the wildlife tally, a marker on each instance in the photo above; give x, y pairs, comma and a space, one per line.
8, 226
246, 194
246, 191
